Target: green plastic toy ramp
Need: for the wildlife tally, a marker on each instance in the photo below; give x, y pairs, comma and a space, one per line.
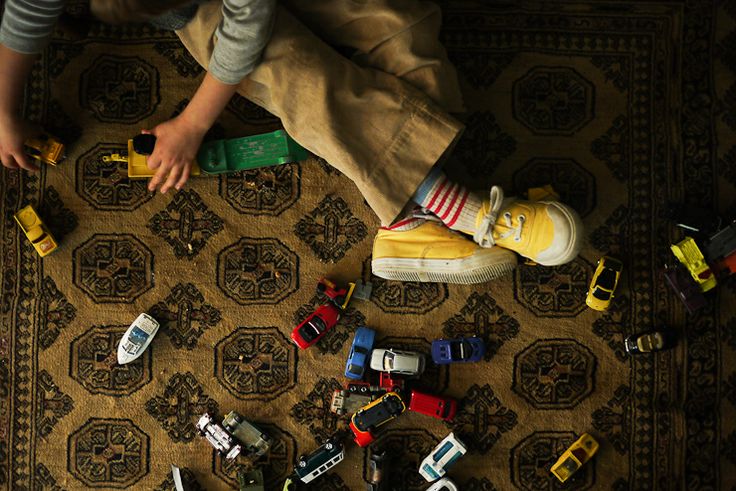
249, 152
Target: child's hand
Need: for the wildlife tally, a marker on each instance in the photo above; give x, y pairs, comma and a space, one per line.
13, 132
177, 142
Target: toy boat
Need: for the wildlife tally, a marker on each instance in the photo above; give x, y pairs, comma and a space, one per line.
137, 338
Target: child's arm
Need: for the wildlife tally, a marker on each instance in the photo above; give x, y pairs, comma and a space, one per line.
178, 139
241, 37
14, 69
25, 30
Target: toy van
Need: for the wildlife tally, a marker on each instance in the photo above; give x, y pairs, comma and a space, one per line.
36, 231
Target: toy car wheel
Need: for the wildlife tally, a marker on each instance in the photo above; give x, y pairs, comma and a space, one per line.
353, 389
364, 389
302, 462
329, 446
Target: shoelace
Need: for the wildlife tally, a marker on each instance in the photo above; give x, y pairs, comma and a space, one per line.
484, 233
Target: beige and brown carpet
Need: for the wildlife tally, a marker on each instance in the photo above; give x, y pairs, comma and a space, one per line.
622, 106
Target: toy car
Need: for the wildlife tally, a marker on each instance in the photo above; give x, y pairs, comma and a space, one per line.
340, 297
250, 481
574, 457
218, 437
444, 484
254, 441
137, 338
397, 361
377, 472
649, 341
346, 402
390, 383
721, 245
249, 152
603, 284
309, 467
314, 327
45, 148
688, 253
34, 228
446, 351
446, 453
685, 287
438, 407
360, 351
378, 412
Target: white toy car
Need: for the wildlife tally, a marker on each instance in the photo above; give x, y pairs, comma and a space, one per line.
397, 362
218, 437
435, 465
444, 484
137, 338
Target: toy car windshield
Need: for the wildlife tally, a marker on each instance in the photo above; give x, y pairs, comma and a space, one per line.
388, 361
460, 350
312, 329
607, 279
356, 369
649, 342
601, 294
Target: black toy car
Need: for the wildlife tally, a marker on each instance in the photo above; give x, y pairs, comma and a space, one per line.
649, 341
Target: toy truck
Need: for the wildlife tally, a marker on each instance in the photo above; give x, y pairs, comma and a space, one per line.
720, 250
34, 228
218, 437
255, 442
137, 157
45, 148
688, 253
574, 457
249, 152
346, 402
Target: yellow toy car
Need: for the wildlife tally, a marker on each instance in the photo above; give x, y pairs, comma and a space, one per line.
45, 148
36, 231
604, 282
688, 253
574, 457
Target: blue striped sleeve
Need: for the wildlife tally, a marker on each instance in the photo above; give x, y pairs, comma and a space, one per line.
27, 24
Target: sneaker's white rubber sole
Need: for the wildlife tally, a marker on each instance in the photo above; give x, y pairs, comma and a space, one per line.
466, 271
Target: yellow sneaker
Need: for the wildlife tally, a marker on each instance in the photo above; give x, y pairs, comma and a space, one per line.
547, 232
432, 252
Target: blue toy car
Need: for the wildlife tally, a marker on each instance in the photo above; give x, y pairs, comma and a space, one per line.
446, 351
360, 353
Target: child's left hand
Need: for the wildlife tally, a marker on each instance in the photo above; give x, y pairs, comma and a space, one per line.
177, 142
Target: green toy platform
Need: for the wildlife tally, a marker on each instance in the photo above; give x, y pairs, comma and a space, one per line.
250, 152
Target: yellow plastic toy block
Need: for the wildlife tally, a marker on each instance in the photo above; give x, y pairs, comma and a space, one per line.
138, 164
36, 231
688, 253
45, 148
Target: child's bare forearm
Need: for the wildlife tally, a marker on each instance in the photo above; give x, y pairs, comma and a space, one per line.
208, 102
14, 69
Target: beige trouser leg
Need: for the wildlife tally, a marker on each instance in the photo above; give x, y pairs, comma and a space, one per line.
381, 132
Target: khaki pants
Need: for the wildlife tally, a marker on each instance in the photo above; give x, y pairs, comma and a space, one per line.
380, 117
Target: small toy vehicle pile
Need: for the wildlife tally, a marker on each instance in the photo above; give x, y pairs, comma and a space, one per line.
234, 436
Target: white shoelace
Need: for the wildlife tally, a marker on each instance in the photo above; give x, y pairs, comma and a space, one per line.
484, 233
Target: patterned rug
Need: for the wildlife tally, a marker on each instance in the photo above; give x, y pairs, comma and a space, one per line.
620, 105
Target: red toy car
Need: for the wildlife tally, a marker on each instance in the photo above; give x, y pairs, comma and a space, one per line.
314, 327
438, 407
389, 383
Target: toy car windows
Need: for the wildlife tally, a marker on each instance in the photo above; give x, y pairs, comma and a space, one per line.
442, 451
388, 361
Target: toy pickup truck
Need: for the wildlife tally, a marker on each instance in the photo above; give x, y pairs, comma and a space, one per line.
45, 148
688, 253
34, 228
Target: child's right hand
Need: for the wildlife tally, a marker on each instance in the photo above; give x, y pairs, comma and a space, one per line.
13, 132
